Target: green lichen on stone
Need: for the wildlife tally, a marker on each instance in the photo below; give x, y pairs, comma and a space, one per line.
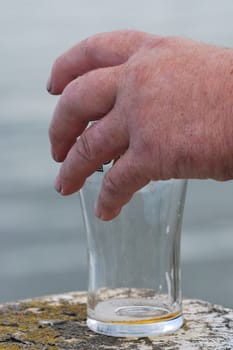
10, 347
32, 323
58, 323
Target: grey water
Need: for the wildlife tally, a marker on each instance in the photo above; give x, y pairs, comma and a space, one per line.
42, 240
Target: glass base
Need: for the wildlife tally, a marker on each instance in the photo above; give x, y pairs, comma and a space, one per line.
130, 329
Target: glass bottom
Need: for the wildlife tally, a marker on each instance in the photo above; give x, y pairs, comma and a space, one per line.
135, 330
133, 318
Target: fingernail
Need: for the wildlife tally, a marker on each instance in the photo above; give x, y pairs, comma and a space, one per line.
49, 85
54, 156
98, 212
57, 185
105, 217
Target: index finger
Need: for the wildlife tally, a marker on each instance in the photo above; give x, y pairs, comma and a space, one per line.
87, 98
99, 51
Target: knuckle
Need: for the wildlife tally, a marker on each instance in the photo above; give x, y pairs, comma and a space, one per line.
109, 185
89, 47
70, 90
69, 97
85, 80
134, 75
159, 42
83, 148
77, 90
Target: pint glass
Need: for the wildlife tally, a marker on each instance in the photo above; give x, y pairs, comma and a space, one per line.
134, 261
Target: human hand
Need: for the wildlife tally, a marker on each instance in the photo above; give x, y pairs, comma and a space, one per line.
162, 106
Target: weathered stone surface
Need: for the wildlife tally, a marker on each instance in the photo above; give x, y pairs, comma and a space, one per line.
58, 323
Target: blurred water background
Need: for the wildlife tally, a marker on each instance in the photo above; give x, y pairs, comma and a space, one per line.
42, 241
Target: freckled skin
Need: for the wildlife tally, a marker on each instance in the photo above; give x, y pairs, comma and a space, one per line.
163, 104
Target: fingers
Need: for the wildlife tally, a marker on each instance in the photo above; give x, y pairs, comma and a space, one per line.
119, 185
101, 50
87, 98
104, 141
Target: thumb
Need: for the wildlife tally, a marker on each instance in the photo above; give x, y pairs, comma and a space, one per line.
118, 186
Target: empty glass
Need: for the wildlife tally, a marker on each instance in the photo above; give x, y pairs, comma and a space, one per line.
134, 261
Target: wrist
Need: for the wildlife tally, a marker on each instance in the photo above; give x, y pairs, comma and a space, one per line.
220, 110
